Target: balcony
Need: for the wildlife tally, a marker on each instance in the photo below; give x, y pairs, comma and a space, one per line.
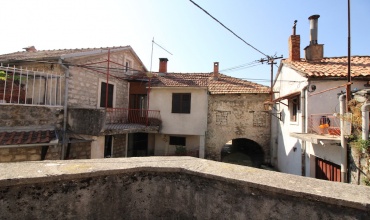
113, 121
133, 116
325, 127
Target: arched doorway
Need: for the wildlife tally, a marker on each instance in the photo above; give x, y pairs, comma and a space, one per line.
243, 151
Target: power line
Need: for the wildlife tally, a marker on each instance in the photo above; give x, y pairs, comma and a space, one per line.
240, 67
227, 28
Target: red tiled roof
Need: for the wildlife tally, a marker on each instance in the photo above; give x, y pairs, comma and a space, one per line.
332, 67
42, 54
26, 137
223, 85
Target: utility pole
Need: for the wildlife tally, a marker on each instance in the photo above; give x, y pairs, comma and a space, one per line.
271, 60
348, 89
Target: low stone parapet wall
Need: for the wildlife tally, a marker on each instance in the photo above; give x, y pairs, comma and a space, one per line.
170, 188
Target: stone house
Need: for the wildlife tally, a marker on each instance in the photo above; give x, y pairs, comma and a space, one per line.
202, 112
111, 107
308, 138
85, 116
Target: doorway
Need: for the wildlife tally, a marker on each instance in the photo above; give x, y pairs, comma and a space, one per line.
243, 151
108, 146
327, 170
137, 145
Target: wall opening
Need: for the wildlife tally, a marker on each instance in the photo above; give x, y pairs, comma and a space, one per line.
137, 145
243, 151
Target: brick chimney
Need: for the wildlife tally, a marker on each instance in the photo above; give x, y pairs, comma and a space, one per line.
163, 65
314, 51
294, 43
216, 74
30, 49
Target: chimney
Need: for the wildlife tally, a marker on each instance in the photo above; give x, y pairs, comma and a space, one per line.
294, 43
314, 51
216, 74
30, 49
163, 65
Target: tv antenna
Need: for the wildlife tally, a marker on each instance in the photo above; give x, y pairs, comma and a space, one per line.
151, 58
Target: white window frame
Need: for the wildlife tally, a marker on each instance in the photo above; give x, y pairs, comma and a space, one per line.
297, 108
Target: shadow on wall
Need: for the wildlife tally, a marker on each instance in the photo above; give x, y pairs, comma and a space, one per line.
243, 151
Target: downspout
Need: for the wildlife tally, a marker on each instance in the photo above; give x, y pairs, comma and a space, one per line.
64, 142
365, 134
303, 119
343, 141
365, 121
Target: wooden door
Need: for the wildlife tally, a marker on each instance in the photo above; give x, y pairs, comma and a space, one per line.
327, 170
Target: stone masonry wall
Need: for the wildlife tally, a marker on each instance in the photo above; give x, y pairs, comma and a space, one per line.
359, 166
168, 188
29, 118
20, 115
236, 116
28, 154
84, 89
84, 83
119, 145
80, 151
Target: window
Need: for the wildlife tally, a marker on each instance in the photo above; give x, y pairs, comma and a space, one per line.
179, 141
128, 66
103, 94
293, 108
181, 103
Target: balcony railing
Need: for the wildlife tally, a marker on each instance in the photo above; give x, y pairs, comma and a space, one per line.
133, 116
329, 124
30, 87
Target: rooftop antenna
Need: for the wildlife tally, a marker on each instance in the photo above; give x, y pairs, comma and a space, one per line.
151, 58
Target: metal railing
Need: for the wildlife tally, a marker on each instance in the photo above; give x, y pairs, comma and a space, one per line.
329, 124
133, 116
24, 86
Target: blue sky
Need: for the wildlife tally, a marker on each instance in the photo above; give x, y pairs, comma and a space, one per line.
194, 39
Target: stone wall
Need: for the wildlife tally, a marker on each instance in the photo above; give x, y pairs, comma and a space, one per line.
86, 120
359, 167
80, 151
20, 115
168, 188
84, 83
15, 117
28, 154
237, 116
84, 87
119, 145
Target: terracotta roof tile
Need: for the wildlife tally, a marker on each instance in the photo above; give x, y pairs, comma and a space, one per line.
26, 137
223, 85
42, 54
332, 67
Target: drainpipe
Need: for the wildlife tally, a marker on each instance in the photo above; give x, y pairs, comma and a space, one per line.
64, 142
365, 121
365, 133
303, 119
343, 141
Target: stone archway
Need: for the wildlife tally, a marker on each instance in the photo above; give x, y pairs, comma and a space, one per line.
243, 151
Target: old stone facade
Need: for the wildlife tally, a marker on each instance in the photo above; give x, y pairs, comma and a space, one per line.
119, 145
359, 166
18, 115
84, 83
234, 116
87, 73
28, 154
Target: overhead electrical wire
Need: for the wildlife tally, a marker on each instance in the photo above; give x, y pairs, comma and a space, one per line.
240, 67
228, 29
119, 70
